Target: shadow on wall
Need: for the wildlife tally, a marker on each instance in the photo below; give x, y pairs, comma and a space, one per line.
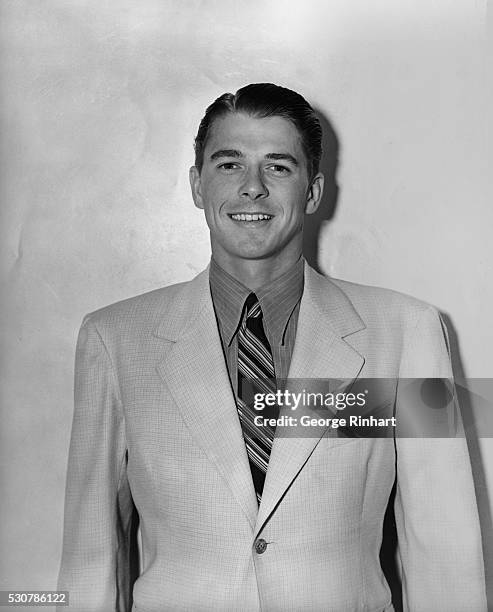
327, 208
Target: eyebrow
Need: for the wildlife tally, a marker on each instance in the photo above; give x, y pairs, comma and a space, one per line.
226, 153
282, 156
238, 154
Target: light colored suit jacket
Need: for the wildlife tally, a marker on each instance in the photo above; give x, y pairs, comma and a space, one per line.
155, 421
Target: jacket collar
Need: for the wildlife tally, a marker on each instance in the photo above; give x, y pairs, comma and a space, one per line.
320, 294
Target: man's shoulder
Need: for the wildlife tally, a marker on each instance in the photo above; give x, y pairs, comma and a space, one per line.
146, 309
380, 297
385, 307
396, 324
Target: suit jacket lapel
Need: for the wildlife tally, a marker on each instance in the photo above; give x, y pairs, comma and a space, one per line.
326, 320
195, 373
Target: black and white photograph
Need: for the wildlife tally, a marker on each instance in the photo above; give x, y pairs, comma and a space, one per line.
246, 275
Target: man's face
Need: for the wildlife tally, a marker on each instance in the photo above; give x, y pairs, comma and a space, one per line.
254, 188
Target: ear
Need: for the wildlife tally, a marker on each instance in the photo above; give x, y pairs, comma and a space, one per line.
195, 184
314, 194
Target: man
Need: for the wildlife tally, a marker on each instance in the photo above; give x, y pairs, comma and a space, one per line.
236, 516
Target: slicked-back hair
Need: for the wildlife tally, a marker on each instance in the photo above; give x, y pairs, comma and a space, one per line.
266, 100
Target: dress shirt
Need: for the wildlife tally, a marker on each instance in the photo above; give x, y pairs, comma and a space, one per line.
280, 304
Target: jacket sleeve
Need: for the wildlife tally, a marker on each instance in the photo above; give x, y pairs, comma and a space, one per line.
439, 539
98, 505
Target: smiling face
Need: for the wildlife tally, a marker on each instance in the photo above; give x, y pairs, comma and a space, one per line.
255, 190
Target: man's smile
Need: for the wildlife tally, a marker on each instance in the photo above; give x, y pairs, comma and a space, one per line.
250, 217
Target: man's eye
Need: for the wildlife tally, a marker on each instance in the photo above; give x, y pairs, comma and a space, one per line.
277, 169
228, 166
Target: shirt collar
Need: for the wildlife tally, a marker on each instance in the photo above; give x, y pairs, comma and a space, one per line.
277, 300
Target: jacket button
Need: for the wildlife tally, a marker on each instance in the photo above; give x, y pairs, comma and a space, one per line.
260, 546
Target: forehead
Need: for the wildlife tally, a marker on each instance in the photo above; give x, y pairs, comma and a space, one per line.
254, 135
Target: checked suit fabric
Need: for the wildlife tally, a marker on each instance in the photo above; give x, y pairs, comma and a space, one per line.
255, 375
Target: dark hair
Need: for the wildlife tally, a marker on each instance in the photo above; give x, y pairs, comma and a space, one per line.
266, 100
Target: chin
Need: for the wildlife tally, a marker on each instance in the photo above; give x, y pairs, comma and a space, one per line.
251, 254
250, 251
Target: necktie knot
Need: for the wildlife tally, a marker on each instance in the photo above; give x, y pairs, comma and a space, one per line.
252, 307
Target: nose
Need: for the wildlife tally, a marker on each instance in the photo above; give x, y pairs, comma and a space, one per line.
253, 185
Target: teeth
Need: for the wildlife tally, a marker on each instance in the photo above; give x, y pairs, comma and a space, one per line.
251, 217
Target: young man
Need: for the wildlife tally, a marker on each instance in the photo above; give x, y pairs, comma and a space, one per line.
233, 515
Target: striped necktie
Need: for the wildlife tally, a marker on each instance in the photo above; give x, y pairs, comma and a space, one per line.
255, 375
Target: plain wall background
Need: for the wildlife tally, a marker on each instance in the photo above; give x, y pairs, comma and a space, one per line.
100, 104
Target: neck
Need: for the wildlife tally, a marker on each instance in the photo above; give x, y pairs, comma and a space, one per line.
255, 273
